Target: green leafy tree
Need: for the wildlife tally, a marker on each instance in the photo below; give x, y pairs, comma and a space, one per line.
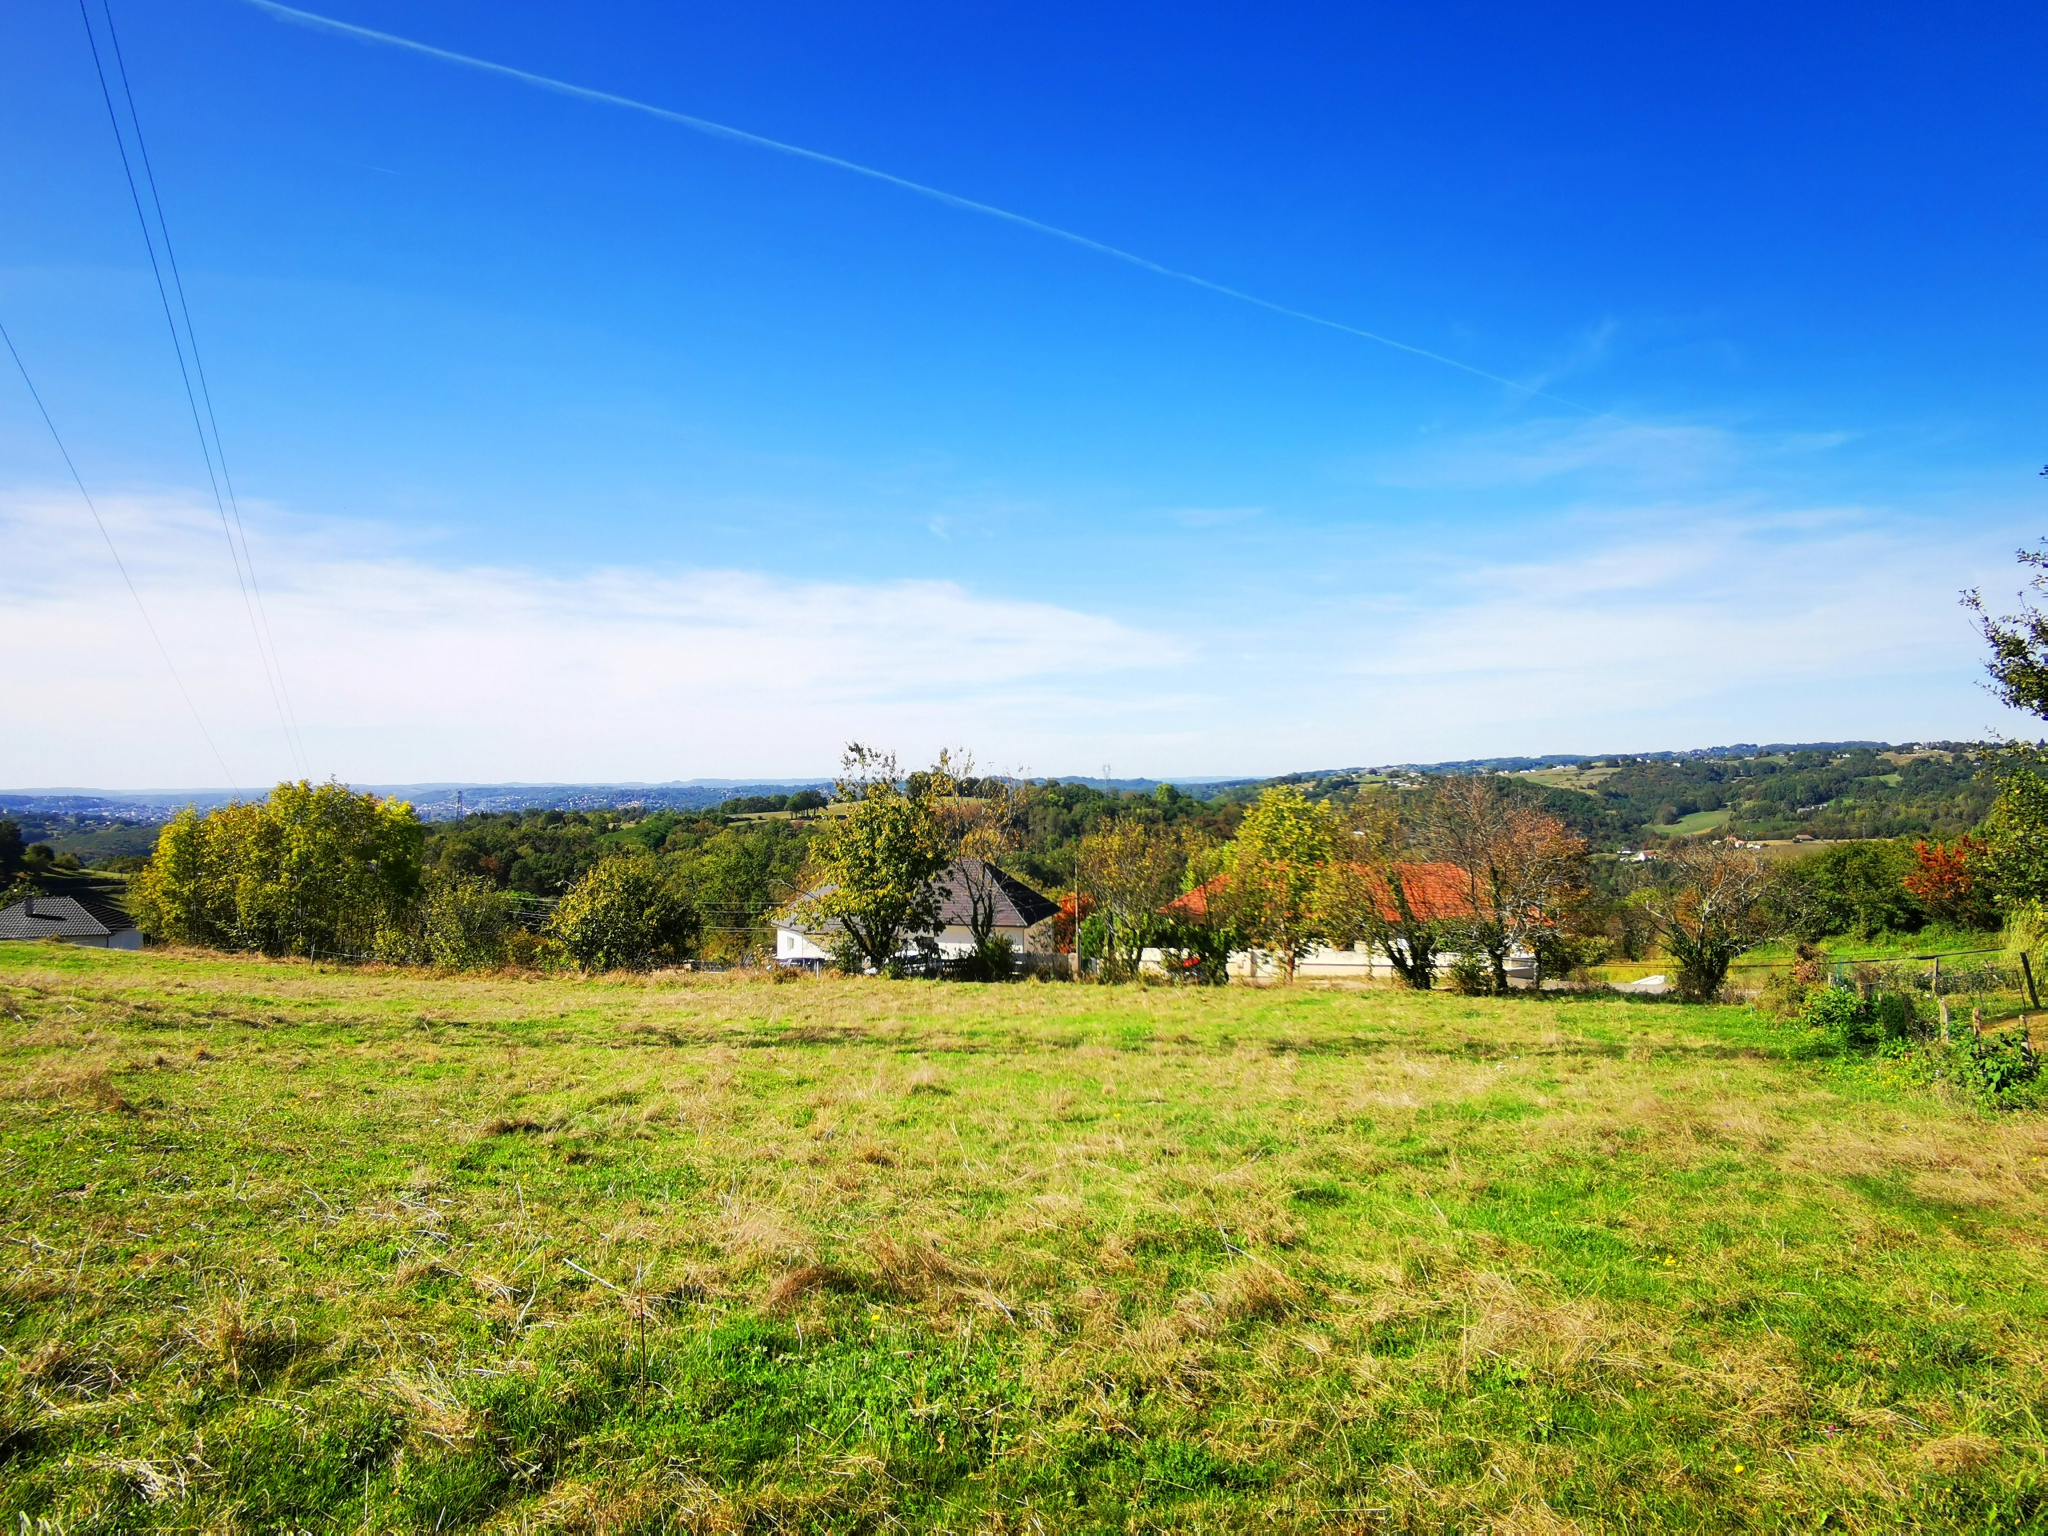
1852, 888
625, 915
1274, 890
1131, 869
2018, 640
311, 870
2016, 860
466, 922
12, 848
739, 876
873, 869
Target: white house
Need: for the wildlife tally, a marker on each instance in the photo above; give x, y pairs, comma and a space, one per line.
89, 920
1019, 910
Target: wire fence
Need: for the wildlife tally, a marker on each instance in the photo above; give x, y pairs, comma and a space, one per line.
1936, 975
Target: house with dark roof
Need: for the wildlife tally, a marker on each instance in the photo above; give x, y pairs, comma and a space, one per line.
90, 919
1021, 917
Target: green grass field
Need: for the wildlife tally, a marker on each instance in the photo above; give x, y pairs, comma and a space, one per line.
292, 1248
1696, 823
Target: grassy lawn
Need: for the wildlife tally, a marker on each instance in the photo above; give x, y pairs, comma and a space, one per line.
292, 1248
1696, 823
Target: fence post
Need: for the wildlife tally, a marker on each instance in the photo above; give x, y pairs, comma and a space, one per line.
2027, 967
1940, 1002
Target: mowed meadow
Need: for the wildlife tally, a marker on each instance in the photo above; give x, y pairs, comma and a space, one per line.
290, 1247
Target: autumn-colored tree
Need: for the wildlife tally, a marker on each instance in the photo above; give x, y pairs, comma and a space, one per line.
1950, 880
1373, 892
1074, 908
1524, 873
1708, 902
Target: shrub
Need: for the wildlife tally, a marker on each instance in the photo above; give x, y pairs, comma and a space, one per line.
465, 922
1840, 1014
1469, 975
995, 960
1999, 1063
1856, 1022
1196, 952
1898, 1017
624, 915
1093, 939
1783, 994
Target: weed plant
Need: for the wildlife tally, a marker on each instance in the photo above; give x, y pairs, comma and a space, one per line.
297, 1248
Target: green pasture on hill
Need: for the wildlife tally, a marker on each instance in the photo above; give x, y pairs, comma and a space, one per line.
1696, 823
296, 1248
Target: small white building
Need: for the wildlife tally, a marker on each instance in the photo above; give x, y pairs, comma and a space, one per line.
1022, 916
90, 920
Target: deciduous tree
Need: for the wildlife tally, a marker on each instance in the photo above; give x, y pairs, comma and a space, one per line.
1275, 888
312, 869
1131, 869
1524, 872
983, 828
873, 868
1366, 895
625, 915
1708, 902
1952, 882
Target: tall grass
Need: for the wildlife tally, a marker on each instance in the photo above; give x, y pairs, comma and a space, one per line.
297, 1248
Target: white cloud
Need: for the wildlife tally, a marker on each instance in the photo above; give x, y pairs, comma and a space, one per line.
400, 669
1627, 624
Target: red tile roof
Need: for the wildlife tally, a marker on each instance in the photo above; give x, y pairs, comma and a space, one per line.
1434, 891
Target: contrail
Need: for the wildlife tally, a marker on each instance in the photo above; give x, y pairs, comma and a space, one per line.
936, 194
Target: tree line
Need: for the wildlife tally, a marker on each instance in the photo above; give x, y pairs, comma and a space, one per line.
1450, 881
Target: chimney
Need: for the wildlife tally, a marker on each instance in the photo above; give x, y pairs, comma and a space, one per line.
29, 905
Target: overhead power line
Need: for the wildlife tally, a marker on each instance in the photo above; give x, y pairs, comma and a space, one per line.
209, 448
119, 564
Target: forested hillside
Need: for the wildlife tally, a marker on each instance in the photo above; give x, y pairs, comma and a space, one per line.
1858, 791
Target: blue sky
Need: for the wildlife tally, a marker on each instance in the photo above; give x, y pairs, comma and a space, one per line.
576, 444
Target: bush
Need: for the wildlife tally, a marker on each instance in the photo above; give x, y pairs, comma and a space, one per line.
995, 960
1841, 1015
1855, 1022
1196, 952
1999, 1068
1469, 975
2000, 1063
1093, 938
624, 915
1783, 994
465, 922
